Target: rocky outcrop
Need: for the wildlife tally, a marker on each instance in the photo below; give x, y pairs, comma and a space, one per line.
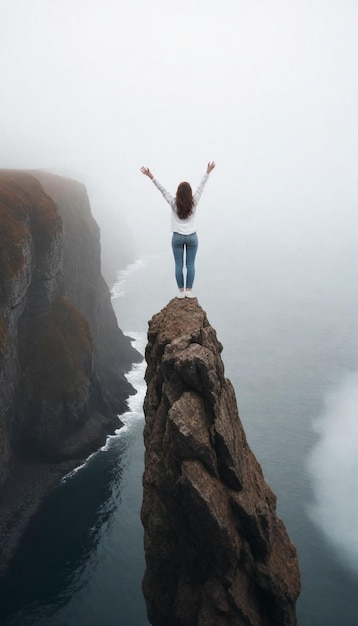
216, 553
62, 356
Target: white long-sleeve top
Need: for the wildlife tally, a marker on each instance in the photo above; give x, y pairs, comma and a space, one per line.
185, 226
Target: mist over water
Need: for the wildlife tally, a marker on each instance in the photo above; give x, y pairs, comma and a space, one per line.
289, 338
283, 359
333, 466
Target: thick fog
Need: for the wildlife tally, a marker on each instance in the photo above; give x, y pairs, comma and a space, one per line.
334, 469
266, 89
269, 90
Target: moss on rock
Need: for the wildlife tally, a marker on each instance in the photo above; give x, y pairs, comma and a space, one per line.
24, 207
57, 352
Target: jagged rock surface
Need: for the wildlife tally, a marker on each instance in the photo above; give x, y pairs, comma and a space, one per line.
216, 553
62, 355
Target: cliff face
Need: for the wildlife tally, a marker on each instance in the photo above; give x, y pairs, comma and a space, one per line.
62, 356
87, 289
216, 553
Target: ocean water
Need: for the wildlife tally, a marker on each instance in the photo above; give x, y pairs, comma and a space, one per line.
81, 559
290, 350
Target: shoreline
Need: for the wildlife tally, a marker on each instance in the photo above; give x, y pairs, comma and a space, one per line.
21, 498
28, 484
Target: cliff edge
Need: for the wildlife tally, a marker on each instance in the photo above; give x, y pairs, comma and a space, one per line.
216, 553
63, 358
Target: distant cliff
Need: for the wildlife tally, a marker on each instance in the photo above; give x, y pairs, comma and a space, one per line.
62, 355
216, 553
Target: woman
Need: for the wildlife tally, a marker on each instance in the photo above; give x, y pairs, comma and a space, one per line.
183, 225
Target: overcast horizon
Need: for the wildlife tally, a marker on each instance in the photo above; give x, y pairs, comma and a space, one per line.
267, 90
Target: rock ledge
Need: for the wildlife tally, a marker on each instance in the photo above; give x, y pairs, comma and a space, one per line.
216, 553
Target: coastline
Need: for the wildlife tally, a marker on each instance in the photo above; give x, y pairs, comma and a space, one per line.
21, 498
30, 482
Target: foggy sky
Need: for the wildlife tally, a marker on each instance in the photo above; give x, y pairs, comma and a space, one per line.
266, 88
269, 90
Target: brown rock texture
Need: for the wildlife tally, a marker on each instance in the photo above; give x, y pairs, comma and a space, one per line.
216, 552
63, 358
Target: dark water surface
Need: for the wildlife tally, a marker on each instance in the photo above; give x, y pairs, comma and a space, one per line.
82, 562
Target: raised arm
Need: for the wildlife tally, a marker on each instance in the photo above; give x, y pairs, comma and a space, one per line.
146, 171
168, 197
199, 190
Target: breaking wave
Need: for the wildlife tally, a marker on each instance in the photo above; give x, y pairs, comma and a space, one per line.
135, 402
118, 289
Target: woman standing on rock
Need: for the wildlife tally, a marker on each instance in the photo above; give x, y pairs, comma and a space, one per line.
183, 225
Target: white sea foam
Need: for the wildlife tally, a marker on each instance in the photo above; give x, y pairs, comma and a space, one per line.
135, 402
77, 469
136, 378
118, 289
333, 466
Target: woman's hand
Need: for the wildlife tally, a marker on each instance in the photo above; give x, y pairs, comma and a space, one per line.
210, 167
146, 171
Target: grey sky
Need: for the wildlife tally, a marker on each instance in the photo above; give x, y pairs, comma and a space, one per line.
267, 89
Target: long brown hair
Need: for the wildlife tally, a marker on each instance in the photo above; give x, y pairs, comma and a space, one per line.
184, 200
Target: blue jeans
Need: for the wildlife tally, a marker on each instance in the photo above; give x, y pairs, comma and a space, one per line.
190, 243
